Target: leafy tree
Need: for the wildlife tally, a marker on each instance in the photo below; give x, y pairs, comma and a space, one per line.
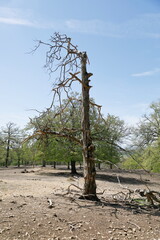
146, 141
9, 134
110, 134
2, 149
148, 130
60, 149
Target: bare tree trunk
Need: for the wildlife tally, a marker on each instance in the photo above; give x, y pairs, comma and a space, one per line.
88, 148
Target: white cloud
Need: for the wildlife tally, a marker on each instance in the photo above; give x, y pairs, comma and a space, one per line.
16, 16
93, 27
147, 73
16, 21
143, 26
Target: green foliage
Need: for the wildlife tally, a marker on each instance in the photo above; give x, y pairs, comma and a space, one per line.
132, 163
106, 133
109, 134
147, 140
149, 159
46, 149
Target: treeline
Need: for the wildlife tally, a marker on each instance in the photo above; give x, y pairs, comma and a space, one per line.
115, 143
145, 144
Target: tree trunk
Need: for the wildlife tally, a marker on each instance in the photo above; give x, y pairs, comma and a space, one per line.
43, 163
73, 167
111, 166
7, 153
88, 147
54, 165
19, 161
68, 165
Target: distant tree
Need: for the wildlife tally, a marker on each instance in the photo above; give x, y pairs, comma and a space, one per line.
148, 130
2, 149
17, 146
9, 134
146, 141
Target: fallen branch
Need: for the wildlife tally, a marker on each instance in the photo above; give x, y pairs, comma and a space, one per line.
150, 195
69, 191
139, 228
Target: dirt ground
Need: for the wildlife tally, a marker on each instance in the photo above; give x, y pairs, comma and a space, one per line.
38, 204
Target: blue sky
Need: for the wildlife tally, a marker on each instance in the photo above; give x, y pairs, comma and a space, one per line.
121, 37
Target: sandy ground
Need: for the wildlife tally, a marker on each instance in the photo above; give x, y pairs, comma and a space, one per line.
44, 204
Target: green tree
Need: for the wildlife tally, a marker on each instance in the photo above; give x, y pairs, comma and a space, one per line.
9, 134
148, 130
111, 134
2, 149
146, 141
56, 148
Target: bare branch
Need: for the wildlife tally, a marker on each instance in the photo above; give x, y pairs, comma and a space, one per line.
55, 134
74, 76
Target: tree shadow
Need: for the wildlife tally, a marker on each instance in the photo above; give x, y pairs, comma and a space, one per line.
135, 208
103, 176
60, 174
115, 206
121, 179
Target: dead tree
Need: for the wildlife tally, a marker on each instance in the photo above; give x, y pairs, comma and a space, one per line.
88, 147
63, 57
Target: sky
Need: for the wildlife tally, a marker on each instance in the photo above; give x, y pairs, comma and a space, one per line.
121, 38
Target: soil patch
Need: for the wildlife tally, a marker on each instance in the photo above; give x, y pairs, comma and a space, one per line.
36, 205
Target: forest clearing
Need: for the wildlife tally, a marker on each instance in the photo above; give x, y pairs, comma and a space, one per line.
43, 204
83, 86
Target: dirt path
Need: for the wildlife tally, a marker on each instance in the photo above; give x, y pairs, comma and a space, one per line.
25, 211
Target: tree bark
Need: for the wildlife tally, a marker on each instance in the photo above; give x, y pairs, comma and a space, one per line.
88, 147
